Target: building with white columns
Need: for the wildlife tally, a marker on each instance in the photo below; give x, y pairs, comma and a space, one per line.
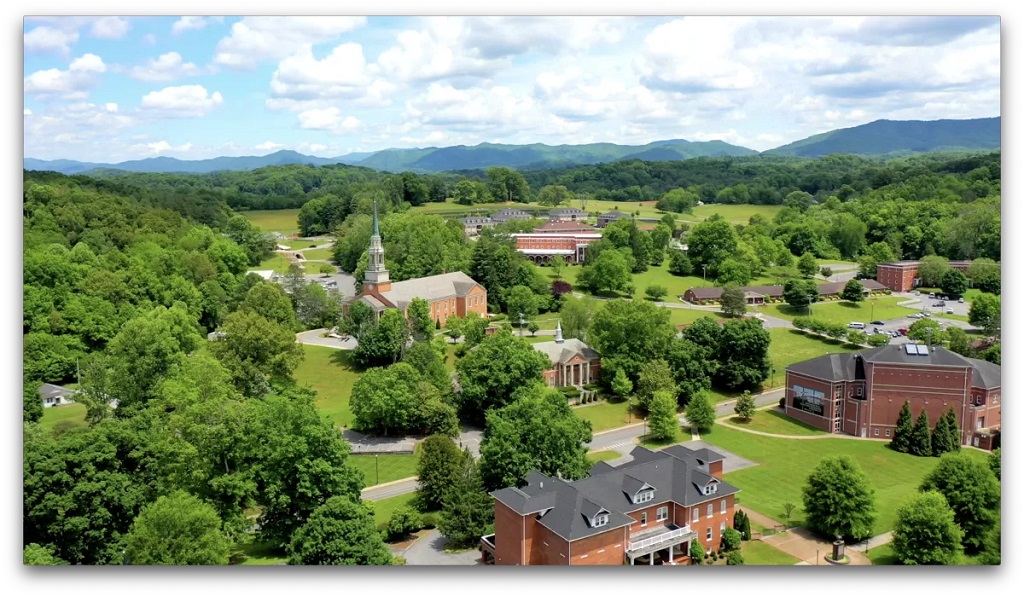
573, 363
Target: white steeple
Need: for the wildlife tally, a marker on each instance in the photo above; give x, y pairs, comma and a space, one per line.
376, 273
558, 332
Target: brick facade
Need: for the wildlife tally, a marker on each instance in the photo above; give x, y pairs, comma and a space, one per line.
902, 276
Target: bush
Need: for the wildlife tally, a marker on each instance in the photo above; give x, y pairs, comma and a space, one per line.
404, 521
782, 403
429, 521
497, 318
734, 558
731, 539
696, 553
570, 391
461, 349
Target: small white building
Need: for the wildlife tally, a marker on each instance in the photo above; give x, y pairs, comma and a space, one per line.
55, 395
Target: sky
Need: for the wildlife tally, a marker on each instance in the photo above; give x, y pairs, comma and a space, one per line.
110, 89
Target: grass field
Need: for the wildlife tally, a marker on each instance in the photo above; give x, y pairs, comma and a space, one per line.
790, 346
302, 244
63, 417
392, 467
732, 213
841, 311
605, 415
784, 464
319, 254
646, 208
756, 552
455, 209
596, 456
285, 221
777, 423
259, 553
275, 261
383, 508
320, 268
675, 285
882, 555
331, 374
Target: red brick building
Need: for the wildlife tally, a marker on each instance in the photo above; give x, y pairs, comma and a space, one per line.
645, 512
762, 294
573, 363
902, 276
861, 393
568, 239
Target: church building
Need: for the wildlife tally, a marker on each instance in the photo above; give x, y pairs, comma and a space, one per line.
449, 294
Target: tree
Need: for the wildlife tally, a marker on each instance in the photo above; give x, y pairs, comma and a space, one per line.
920, 438
32, 402
787, 508
272, 303
853, 291
711, 242
696, 552
536, 431
926, 532
468, 511
576, 315
734, 272
994, 462
679, 264
700, 412
745, 407
621, 385
807, 264
557, 264
678, 200
521, 301
734, 558
656, 292
876, 340
654, 376
384, 400
972, 491
662, 419
985, 275
857, 338
926, 330
954, 283
383, 343
901, 438
420, 323
931, 269
959, 341
437, 470
946, 434
734, 302
731, 539
554, 195
837, 499
339, 532
177, 529
825, 272
608, 273
491, 372
629, 333
508, 185
404, 521
357, 320
533, 328
742, 354
254, 350
800, 293
985, 313
474, 328
454, 326
35, 554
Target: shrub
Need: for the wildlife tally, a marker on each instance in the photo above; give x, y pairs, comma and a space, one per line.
570, 391
461, 349
404, 521
696, 552
429, 521
497, 318
734, 558
731, 539
782, 403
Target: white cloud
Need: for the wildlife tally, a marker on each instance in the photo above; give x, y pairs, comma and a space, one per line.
188, 24
329, 119
167, 67
95, 134
185, 101
82, 74
110, 107
340, 74
110, 28
27, 112
694, 55
268, 146
434, 53
271, 38
49, 39
160, 147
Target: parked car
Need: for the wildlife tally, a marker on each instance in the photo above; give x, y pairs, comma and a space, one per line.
856, 325
894, 334
931, 295
961, 301
916, 315
927, 314
902, 331
877, 323
949, 311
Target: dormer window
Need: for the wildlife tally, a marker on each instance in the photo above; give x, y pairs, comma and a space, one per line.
711, 489
600, 519
644, 496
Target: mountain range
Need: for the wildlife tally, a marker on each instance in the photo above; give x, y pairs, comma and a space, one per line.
878, 138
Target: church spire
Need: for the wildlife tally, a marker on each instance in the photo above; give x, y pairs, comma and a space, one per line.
376, 229
376, 276
558, 332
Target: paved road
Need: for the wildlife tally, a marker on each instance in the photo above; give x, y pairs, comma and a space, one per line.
314, 337
383, 491
429, 550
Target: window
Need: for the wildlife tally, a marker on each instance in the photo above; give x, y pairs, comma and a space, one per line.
708, 534
860, 391
600, 520
696, 513
643, 519
808, 400
876, 432
662, 514
711, 509
721, 528
722, 507
644, 496
887, 432
710, 489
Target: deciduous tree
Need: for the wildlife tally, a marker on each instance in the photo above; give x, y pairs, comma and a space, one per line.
177, 529
339, 532
838, 500
926, 532
986, 313
745, 407
954, 283
662, 420
490, 373
734, 302
438, 470
700, 412
972, 491
853, 291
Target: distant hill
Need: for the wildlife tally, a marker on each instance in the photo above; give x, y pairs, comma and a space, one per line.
885, 137
171, 164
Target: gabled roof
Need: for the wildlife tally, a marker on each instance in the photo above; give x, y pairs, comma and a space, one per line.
49, 390
567, 211
614, 215
849, 367
562, 352
434, 287
475, 220
987, 375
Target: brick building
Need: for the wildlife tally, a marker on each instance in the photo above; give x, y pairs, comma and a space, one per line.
567, 214
573, 363
762, 294
901, 276
646, 512
448, 294
861, 393
611, 217
569, 240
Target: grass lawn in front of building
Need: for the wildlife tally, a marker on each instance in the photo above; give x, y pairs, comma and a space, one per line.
606, 455
391, 467
784, 464
331, 374
775, 422
63, 417
285, 221
253, 552
383, 508
318, 254
275, 261
756, 552
840, 311
789, 346
882, 555
605, 415
314, 268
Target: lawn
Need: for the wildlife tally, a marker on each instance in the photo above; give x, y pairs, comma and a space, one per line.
285, 221
303, 244
646, 208
840, 311
735, 214
275, 261
392, 467
63, 417
596, 456
784, 465
756, 552
605, 415
258, 553
790, 346
775, 422
449, 208
318, 254
331, 374
383, 508
320, 268
882, 555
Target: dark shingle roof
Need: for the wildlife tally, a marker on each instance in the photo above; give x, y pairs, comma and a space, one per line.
614, 215
51, 390
847, 367
986, 374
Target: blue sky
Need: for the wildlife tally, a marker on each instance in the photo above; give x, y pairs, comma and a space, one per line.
109, 89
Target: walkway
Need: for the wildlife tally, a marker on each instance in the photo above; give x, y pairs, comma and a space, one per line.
801, 543
428, 549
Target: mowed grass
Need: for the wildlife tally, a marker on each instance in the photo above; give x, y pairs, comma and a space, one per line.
775, 422
607, 455
331, 374
63, 417
784, 464
318, 254
391, 467
735, 214
882, 555
275, 261
303, 244
383, 508
756, 552
320, 268
285, 221
646, 208
789, 346
605, 415
840, 311
253, 552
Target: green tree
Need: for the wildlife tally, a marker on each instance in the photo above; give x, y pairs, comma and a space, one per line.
32, 402
926, 532
420, 323
474, 328
710, 243
807, 264
357, 320
734, 302
269, 301
34, 554
745, 407
576, 315
731, 539
384, 400
878, 252
954, 283
383, 343
656, 292
533, 328
920, 438
994, 462
926, 330
787, 509
505, 184
742, 354
468, 511
678, 200
972, 491
734, 272
825, 272
663, 418
857, 338
437, 470
946, 434
536, 431
902, 437
700, 412
959, 341
254, 350
490, 373
557, 265
608, 273
454, 326
696, 552
404, 521
554, 195
177, 529
521, 301
985, 312
679, 264
654, 376
425, 358
339, 532
877, 340
985, 275
629, 333
800, 293
621, 385
734, 557
837, 499
853, 291
931, 269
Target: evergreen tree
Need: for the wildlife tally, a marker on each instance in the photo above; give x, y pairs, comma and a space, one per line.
945, 436
920, 437
700, 413
468, 511
745, 407
438, 470
621, 385
953, 428
663, 422
901, 438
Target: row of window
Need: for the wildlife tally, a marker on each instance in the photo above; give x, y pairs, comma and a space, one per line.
660, 515
711, 510
808, 400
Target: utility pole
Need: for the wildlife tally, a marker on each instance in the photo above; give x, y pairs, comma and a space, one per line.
376, 464
705, 268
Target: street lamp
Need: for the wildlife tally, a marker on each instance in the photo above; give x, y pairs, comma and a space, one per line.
522, 321
376, 465
705, 268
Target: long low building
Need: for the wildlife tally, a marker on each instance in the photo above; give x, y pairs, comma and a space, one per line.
568, 239
763, 294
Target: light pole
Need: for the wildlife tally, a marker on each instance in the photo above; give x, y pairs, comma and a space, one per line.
705, 269
522, 321
376, 465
